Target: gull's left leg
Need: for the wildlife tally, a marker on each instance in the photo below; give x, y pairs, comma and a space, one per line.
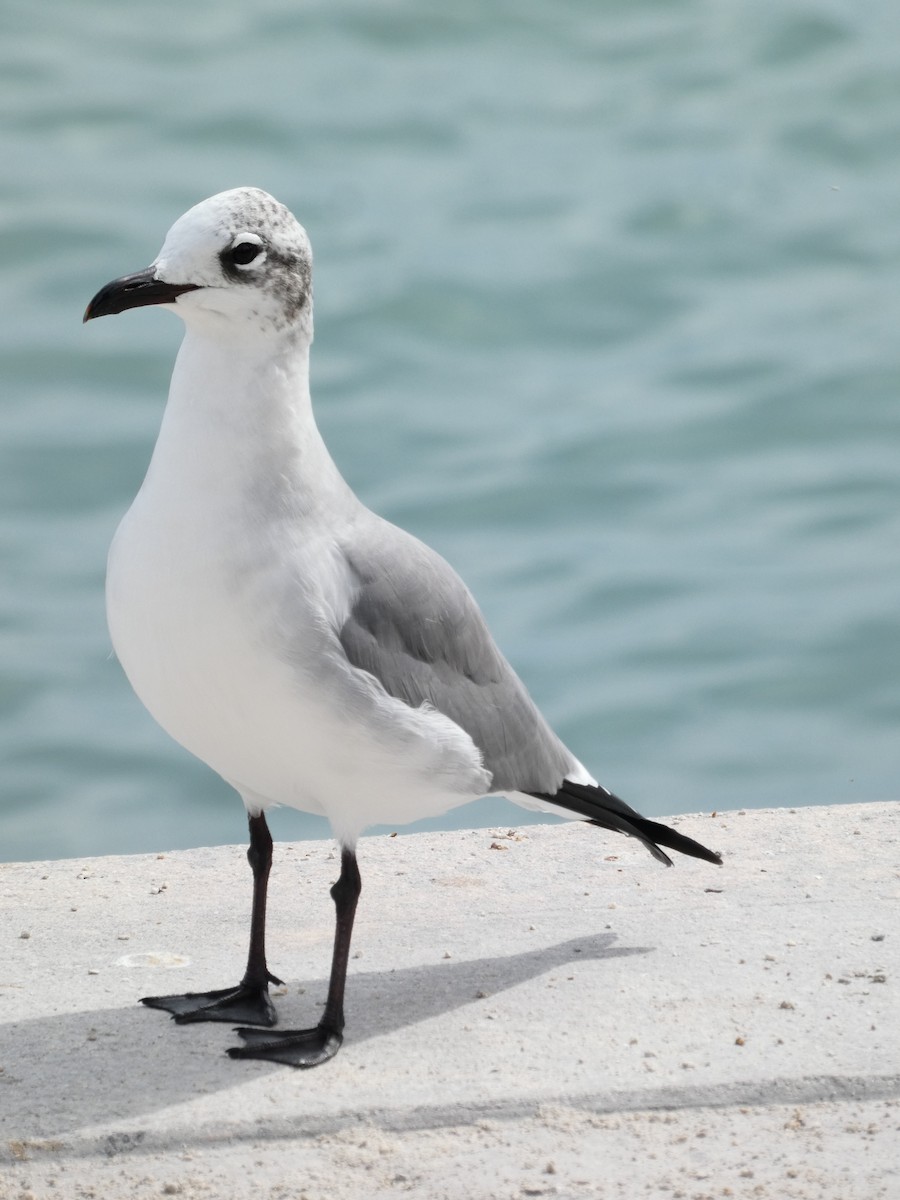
310, 1047
249, 1001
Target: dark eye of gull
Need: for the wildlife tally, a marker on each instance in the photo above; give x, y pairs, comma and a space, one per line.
243, 253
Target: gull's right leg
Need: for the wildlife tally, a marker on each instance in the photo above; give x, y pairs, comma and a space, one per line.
249, 1002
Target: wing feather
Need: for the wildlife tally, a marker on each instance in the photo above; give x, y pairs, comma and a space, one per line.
416, 628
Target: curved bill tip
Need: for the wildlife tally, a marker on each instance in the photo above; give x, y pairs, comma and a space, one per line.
134, 291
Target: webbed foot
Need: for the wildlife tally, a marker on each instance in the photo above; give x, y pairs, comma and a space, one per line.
245, 1002
293, 1047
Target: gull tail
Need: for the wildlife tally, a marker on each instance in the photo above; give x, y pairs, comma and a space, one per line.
599, 807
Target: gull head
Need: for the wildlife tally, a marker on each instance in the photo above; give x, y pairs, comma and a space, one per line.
237, 264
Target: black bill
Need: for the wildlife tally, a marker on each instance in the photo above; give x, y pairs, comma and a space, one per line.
134, 291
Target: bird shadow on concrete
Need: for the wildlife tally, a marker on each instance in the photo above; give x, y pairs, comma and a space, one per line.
68, 1072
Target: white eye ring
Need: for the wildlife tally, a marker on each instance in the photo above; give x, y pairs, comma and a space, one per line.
240, 252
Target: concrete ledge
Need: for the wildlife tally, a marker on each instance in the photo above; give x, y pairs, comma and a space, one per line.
544, 1013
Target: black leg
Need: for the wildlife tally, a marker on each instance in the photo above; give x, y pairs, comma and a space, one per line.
249, 1001
259, 855
310, 1047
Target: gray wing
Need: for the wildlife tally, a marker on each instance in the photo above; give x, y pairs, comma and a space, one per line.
415, 626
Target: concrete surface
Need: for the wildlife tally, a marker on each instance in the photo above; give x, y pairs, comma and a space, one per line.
541, 1013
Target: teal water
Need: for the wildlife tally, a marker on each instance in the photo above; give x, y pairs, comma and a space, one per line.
607, 302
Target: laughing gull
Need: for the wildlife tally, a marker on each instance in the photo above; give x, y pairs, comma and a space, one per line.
310, 652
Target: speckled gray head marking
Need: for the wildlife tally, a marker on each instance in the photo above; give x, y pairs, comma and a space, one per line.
250, 260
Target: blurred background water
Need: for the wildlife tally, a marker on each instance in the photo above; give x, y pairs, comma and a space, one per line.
607, 302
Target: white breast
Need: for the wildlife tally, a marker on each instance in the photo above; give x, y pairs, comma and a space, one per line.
223, 605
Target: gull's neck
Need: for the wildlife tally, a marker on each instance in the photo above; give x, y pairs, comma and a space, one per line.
239, 418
